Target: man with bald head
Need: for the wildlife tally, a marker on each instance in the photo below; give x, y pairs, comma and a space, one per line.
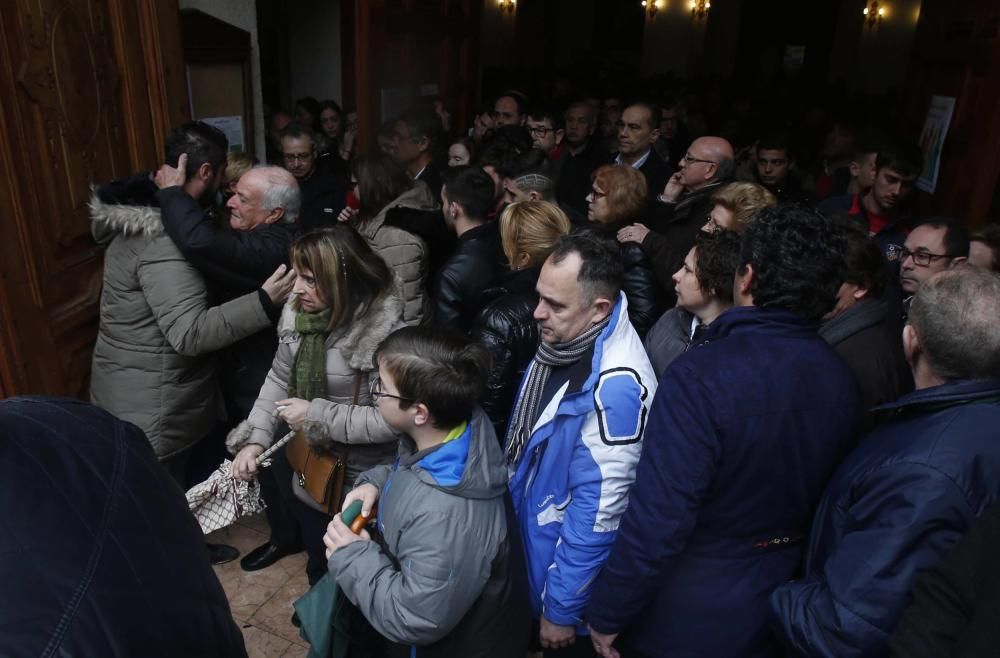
683, 206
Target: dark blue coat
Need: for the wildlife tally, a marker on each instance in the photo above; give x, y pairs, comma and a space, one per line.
745, 429
99, 554
912, 488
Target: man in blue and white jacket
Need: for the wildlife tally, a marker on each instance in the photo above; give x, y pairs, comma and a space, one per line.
575, 433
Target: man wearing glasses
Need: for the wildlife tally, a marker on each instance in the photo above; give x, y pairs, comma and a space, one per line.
324, 194
933, 246
547, 133
681, 210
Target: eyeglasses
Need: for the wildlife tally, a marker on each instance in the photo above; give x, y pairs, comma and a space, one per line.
298, 157
376, 392
920, 258
541, 131
688, 158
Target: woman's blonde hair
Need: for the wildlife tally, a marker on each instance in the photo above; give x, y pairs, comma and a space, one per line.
349, 275
531, 227
744, 200
626, 189
237, 164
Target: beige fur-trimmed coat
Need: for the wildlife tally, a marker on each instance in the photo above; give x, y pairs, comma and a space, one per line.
333, 419
154, 362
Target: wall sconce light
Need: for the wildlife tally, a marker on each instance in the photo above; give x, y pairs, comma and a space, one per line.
699, 8
508, 7
651, 7
873, 13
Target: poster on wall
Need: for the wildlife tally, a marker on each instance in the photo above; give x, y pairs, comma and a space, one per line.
932, 139
233, 129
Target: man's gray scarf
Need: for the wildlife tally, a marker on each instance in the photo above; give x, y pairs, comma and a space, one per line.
547, 357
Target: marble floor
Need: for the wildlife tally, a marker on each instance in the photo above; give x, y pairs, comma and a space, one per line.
261, 601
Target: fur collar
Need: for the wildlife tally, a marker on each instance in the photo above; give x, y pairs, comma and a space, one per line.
363, 336
111, 218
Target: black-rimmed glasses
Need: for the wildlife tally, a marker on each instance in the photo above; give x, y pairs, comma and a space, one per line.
688, 158
921, 258
376, 392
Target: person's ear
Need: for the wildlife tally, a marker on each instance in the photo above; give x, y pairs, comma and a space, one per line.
855, 169
421, 414
911, 344
522, 260
602, 308
534, 195
560, 134
205, 172
956, 261
860, 293
744, 281
424, 144
655, 135
276, 215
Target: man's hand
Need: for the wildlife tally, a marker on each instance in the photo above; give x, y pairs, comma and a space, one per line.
602, 643
339, 535
293, 411
367, 493
168, 176
674, 188
633, 233
279, 285
347, 214
554, 636
245, 462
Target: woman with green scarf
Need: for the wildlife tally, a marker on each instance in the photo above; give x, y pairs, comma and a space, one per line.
344, 303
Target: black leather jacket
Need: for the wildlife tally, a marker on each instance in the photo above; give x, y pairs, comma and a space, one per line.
507, 328
647, 299
476, 265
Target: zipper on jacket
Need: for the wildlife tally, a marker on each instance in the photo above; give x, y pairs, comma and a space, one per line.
532, 470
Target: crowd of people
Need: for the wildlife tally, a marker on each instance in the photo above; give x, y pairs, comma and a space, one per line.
605, 382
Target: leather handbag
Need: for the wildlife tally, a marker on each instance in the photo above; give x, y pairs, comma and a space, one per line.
320, 474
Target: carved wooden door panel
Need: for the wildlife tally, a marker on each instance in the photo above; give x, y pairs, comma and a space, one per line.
85, 98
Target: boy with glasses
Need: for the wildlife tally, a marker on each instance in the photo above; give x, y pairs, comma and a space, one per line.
442, 575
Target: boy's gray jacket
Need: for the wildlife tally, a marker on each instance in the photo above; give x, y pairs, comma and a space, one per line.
448, 575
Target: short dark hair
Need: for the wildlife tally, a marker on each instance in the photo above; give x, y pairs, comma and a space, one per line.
776, 140
862, 262
718, 259
423, 124
601, 272
904, 158
202, 143
655, 115
532, 160
956, 237
439, 368
796, 260
470, 187
296, 130
989, 234
543, 112
955, 314
519, 98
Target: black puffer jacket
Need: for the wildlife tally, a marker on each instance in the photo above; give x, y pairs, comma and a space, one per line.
507, 328
476, 266
101, 556
647, 300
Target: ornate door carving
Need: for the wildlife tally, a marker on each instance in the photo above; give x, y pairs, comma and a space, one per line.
82, 94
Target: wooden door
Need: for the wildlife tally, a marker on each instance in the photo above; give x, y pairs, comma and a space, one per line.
408, 44
88, 91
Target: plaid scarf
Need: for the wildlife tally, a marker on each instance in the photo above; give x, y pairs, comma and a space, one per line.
307, 378
547, 357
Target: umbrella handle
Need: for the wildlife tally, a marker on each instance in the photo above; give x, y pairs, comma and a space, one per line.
277, 446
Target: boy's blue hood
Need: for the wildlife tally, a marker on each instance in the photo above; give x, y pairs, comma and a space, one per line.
471, 466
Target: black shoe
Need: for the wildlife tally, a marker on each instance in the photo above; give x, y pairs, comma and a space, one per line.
295, 620
222, 553
265, 555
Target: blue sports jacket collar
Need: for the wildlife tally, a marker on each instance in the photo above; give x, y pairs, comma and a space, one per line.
963, 390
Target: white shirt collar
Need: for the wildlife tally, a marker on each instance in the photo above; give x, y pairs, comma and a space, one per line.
638, 163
